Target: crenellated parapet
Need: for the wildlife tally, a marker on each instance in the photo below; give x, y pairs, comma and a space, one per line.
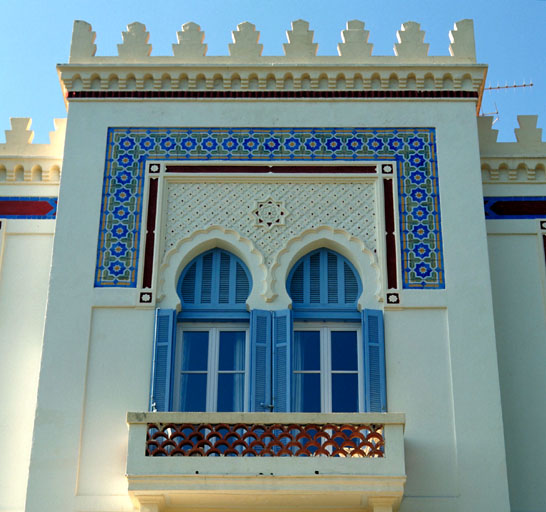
300, 73
523, 161
22, 162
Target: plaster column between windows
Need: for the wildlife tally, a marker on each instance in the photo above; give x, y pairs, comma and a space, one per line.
382, 504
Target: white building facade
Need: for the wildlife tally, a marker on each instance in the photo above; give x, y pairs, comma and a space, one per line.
271, 283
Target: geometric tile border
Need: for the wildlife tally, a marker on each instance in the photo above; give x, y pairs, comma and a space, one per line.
28, 207
413, 150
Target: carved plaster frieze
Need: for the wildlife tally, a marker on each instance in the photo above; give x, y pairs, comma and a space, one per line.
270, 78
348, 208
514, 170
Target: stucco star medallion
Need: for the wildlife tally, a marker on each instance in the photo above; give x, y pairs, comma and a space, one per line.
269, 213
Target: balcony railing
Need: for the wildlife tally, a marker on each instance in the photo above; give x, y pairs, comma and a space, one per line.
214, 460
264, 440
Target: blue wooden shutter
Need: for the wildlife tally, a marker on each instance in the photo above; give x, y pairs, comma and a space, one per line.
162, 360
214, 280
374, 361
282, 346
260, 360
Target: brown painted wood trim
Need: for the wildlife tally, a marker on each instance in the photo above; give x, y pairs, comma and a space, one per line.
281, 169
390, 237
150, 234
361, 94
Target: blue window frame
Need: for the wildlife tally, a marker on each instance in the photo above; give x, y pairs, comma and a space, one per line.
324, 285
337, 357
211, 368
215, 285
327, 368
321, 355
201, 355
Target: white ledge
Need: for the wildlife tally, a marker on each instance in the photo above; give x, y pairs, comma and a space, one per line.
268, 418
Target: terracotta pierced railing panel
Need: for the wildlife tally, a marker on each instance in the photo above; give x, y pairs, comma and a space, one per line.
259, 440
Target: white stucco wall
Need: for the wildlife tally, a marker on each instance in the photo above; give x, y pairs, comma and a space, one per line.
519, 298
25, 258
441, 356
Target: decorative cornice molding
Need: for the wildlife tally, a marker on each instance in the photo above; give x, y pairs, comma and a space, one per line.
266, 81
514, 170
245, 69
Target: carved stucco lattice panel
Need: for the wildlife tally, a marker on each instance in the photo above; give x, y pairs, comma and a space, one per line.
347, 206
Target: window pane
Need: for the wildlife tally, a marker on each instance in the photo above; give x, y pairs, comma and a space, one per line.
194, 392
306, 350
195, 350
344, 392
306, 392
344, 350
230, 392
232, 350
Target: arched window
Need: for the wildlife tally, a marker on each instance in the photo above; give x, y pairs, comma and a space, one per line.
324, 283
323, 355
337, 355
214, 285
201, 355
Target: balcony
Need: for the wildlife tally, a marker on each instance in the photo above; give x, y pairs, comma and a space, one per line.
266, 461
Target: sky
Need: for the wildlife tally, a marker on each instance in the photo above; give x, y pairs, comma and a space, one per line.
35, 35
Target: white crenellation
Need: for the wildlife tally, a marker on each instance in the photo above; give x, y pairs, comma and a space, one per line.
22, 162
529, 139
355, 41
20, 134
354, 47
245, 44
83, 45
528, 134
135, 43
299, 69
513, 162
411, 42
462, 40
190, 42
300, 41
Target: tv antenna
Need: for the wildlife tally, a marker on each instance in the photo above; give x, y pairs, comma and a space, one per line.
507, 86
501, 87
496, 114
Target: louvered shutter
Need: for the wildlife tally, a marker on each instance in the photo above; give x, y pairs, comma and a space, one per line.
374, 361
350, 284
214, 279
315, 278
297, 284
224, 280
162, 360
282, 346
260, 360
242, 286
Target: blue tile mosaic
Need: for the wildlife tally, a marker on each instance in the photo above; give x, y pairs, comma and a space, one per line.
413, 149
